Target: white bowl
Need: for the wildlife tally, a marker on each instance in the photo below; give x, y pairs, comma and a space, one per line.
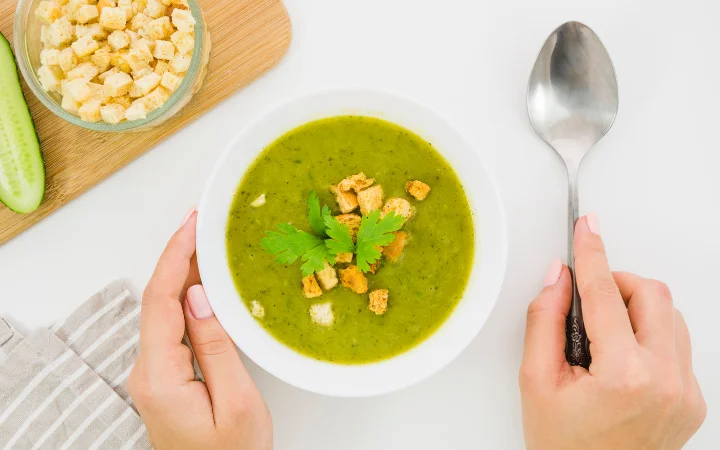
430, 355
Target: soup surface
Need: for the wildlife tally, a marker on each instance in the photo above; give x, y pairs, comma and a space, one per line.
424, 285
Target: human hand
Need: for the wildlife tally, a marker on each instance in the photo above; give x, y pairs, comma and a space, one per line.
639, 392
226, 411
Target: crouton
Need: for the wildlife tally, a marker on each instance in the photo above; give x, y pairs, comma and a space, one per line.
61, 32
149, 43
119, 60
184, 42
344, 257
393, 251
124, 100
78, 89
138, 22
370, 199
136, 111
170, 81
347, 201
379, 301
107, 73
134, 91
144, 85
46, 35
118, 39
86, 13
162, 67
352, 221
256, 309
90, 111
164, 50
49, 79
417, 189
104, 4
94, 29
311, 288
356, 182
85, 46
183, 20
321, 314
154, 9
137, 74
112, 113
138, 6
399, 206
118, 84
156, 98
180, 63
159, 28
87, 71
258, 202
353, 279
70, 105
97, 92
101, 59
49, 57
113, 18
327, 277
139, 56
47, 12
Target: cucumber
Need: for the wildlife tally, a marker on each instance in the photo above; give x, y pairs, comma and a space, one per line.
22, 172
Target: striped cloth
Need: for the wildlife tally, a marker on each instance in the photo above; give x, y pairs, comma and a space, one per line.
66, 387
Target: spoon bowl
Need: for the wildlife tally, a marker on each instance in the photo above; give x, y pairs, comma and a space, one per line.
573, 93
572, 102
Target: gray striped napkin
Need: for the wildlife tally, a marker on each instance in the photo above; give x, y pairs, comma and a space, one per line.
66, 387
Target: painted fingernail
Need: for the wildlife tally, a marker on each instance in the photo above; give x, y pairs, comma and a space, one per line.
187, 216
553, 275
198, 303
592, 223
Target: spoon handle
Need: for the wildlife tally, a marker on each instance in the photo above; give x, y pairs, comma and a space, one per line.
577, 349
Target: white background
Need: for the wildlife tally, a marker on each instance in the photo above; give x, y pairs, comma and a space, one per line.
653, 180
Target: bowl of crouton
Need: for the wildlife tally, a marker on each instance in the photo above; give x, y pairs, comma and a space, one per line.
112, 65
295, 329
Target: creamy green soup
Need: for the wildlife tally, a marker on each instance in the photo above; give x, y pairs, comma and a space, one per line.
425, 285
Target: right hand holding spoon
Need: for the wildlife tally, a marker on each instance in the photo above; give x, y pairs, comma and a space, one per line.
640, 391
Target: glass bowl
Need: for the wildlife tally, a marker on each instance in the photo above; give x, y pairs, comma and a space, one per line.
27, 53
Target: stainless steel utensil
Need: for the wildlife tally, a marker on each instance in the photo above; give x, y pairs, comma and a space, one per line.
572, 102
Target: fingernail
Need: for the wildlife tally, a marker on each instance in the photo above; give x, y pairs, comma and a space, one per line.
592, 223
553, 275
187, 216
198, 303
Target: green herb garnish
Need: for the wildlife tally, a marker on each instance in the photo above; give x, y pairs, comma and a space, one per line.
316, 217
340, 239
375, 232
315, 259
289, 243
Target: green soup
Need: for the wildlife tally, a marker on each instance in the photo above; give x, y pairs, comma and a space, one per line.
425, 285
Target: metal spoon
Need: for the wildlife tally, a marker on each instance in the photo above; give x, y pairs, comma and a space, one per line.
572, 101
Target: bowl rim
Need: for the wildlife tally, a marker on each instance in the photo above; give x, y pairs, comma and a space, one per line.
253, 350
24, 13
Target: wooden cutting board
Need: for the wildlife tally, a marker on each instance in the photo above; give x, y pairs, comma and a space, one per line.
248, 38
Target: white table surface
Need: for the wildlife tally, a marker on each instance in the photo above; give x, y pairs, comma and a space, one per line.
653, 180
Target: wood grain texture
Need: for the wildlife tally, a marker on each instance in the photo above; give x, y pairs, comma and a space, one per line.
248, 38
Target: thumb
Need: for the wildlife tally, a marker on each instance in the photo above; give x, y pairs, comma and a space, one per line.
544, 356
225, 375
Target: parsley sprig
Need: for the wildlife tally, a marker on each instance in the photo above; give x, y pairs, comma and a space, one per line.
330, 239
375, 232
